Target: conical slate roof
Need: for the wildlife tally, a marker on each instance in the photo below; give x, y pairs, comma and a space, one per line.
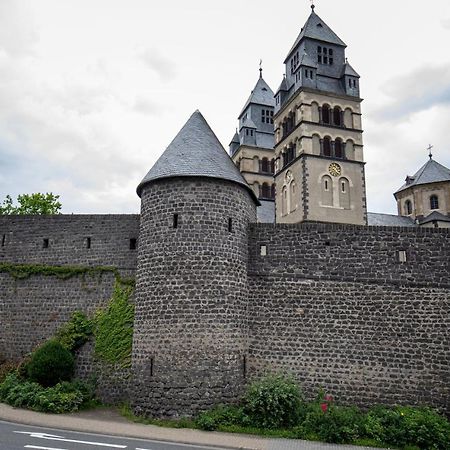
261, 95
431, 172
316, 28
195, 152
235, 139
349, 70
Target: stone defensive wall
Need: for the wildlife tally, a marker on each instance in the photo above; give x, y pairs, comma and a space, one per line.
33, 308
362, 312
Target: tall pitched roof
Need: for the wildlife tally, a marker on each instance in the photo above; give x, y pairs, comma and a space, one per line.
316, 28
349, 70
261, 95
195, 152
431, 172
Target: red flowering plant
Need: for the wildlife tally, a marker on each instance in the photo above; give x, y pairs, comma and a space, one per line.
326, 402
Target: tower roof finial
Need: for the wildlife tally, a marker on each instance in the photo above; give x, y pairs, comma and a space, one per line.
312, 5
260, 68
430, 147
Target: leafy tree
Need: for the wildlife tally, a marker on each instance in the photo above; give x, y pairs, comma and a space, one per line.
32, 204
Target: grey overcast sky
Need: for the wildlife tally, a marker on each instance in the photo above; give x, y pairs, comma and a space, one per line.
93, 91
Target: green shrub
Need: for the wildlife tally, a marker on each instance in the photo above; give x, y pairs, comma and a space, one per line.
114, 328
64, 397
6, 368
406, 426
76, 332
224, 416
338, 424
273, 402
50, 364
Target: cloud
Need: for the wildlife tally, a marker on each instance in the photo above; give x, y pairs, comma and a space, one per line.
446, 23
417, 91
163, 66
147, 106
18, 34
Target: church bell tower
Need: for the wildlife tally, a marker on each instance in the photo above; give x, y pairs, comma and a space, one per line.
319, 165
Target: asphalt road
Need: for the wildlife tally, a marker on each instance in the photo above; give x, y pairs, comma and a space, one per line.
15, 436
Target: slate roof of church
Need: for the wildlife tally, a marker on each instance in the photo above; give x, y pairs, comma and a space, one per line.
266, 212
435, 215
389, 220
431, 172
316, 28
195, 152
349, 70
261, 95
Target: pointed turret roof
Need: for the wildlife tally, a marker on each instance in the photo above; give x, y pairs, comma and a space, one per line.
195, 152
431, 172
261, 95
349, 70
235, 139
316, 28
283, 85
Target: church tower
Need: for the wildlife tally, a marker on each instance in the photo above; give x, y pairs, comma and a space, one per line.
319, 167
252, 145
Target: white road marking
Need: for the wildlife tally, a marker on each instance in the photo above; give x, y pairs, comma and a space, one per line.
43, 448
52, 437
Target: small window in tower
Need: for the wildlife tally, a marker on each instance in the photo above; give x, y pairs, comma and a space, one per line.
331, 61
402, 257
251, 132
271, 113
325, 51
230, 225
175, 221
319, 49
343, 187
319, 59
326, 185
325, 59
3, 240
88, 242
263, 250
133, 244
330, 52
45, 243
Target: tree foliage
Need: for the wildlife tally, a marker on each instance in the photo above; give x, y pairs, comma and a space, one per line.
37, 203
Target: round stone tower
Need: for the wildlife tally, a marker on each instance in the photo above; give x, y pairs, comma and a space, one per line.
190, 331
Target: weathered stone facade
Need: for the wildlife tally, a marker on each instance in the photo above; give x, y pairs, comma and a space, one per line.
191, 319
332, 304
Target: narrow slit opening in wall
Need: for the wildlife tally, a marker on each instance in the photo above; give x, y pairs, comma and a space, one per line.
175, 221
45, 243
327, 244
263, 250
88, 242
244, 366
230, 225
151, 367
133, 243
402, 256
3, 240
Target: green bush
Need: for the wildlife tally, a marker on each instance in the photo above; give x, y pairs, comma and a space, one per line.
224, 416
50, 364
338, 424
273, 402
76, 332
6, 368
64, 397
406, 426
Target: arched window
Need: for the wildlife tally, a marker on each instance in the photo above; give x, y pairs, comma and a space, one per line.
327, 146
316, 144
293, 196
265, 191
338, 149
348, 118
272, 166
327, 191
337, 117
326, 114
265, 165
272, 191
408, 207
434, 202
284, 201
344, 193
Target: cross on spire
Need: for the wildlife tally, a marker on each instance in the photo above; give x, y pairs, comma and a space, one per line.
312, 5
430, 147
260, 68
